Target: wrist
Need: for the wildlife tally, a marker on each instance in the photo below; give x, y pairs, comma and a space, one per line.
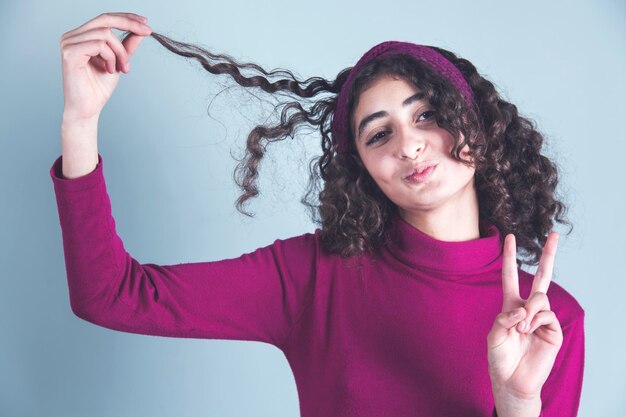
79, 146
509, 405
71, 120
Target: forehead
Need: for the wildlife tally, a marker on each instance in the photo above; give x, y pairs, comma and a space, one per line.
384, 91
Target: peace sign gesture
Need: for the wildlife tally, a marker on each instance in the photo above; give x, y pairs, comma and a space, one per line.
526, 336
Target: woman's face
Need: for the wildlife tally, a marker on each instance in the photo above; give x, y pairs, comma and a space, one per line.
401, 135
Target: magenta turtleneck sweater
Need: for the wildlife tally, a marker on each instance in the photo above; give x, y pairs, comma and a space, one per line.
403, 333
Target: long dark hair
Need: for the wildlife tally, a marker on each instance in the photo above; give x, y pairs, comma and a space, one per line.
515, 183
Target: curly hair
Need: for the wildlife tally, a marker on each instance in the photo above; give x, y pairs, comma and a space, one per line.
515, 183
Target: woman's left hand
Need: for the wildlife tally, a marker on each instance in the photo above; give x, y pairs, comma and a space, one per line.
521, 358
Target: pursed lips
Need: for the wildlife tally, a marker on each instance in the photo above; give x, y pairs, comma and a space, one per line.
420, 169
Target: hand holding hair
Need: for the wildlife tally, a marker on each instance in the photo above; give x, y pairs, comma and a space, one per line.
92, 57
525, 338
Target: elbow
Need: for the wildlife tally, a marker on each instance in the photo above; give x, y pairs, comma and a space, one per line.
92, 309
82, 312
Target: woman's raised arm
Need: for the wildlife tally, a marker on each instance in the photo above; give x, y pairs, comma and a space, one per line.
257, 296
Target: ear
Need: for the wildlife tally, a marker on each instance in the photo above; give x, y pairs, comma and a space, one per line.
464, 154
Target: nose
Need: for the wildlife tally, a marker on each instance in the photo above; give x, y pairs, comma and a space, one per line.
410, 142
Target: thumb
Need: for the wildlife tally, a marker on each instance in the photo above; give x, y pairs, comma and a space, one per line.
504, 322
131, 42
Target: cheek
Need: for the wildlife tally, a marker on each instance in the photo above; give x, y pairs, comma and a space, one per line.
381, 174
373, 165
385, 170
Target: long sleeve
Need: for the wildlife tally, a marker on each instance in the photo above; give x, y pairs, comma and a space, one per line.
257, 296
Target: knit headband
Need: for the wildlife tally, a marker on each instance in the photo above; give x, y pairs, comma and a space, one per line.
339, 125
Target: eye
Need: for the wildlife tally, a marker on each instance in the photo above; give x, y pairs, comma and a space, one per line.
380, 134
428, 112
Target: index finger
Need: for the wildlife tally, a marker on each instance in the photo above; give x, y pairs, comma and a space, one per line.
510, 280
543, 276
121, 21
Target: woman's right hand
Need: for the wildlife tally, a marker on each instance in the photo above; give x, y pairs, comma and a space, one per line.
92, 56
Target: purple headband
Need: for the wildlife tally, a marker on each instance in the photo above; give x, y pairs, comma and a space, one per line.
339, 125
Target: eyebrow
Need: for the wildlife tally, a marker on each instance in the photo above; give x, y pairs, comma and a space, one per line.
379, 114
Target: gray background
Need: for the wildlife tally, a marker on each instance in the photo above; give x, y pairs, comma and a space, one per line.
168, 172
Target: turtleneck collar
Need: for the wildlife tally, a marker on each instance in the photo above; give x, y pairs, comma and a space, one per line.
419, 250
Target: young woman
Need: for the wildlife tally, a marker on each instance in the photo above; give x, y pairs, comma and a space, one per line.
409, 300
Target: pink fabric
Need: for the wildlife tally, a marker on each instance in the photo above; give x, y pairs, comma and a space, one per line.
400, 334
